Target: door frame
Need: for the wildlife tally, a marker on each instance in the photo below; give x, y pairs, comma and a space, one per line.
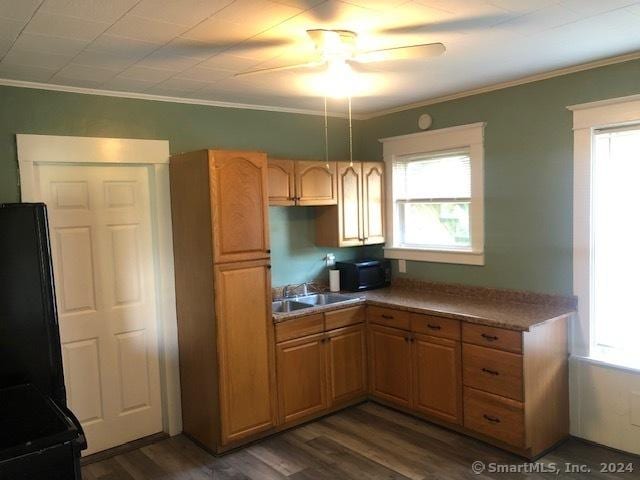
36, 150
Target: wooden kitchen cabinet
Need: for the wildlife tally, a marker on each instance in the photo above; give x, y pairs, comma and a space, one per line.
437, 378
321, 363
316, 183
390, 365
358, 217
373, 202
238, 183
302, 182
282, 189
301, 377
346, 364
221, 252
245, 340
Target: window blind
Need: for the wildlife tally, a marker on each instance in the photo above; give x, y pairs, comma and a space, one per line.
445, 175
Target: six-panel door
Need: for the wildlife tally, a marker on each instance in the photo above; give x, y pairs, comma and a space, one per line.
240, 205
437, 377
390, 364
346, 364
245, 349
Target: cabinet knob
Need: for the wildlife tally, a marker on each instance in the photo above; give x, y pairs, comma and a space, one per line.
490, 372
269, 266
434, 327
387, 317
268, 250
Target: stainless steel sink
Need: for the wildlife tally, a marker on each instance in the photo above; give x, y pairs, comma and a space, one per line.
284, 306
323, 298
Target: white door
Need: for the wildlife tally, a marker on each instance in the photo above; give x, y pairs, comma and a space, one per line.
101, 242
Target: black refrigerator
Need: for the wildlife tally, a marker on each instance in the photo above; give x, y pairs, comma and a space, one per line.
40, 438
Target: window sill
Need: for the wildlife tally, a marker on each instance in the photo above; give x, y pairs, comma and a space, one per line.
608, 362
437, 256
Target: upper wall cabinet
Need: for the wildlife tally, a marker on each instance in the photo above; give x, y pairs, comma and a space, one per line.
299, 182
358, 218
282, 189
238, 183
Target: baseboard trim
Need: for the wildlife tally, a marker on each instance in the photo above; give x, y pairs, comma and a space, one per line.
124, 448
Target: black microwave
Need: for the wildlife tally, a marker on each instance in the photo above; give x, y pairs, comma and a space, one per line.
360, 275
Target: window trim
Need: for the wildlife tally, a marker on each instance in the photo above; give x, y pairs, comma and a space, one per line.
587, 119
469, 137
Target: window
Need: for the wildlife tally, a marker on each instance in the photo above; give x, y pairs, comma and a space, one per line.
436, 204
432, 195
606, 170
614, 206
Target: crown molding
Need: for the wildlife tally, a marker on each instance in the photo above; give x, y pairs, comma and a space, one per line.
356, 116
511, 83
161, 98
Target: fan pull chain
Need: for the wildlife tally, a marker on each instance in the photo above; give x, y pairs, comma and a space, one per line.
326, 134
350, 136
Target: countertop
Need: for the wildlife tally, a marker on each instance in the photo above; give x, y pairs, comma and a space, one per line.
487, 309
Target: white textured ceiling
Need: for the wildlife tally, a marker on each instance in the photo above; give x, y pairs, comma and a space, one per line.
192, 48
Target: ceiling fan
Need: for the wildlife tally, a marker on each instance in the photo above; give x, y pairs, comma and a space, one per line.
339, 47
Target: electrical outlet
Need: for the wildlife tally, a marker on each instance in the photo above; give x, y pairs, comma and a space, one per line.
402, 266
635, 408
330, 260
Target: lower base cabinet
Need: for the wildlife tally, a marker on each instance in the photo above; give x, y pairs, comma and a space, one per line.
301, 376
390, 364
437, 380
319, 371
346, 364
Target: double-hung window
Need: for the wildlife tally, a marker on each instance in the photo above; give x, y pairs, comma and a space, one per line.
436, 204
605, 225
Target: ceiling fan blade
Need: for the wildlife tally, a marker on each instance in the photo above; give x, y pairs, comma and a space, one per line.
280, 69
446, 26
187, 47
408, 52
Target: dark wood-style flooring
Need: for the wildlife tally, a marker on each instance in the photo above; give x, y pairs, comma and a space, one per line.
368, 441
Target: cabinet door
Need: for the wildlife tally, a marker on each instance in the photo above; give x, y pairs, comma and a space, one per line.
346, 365
390, 364
316, 183
437, 377
301, 378
350, 222
245, 349
239, 205
281, 182
373, 202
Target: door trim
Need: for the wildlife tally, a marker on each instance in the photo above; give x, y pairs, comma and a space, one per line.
36, 150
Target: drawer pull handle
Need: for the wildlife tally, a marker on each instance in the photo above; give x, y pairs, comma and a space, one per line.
490, 372
434, 327
387, 317
491, 419
490, 338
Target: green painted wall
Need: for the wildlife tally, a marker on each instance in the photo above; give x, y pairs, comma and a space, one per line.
187, 127
528, 174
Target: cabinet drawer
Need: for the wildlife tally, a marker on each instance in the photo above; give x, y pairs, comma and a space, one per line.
435, 326
389, 317
492, 370
344, 317
299, 327
501, 338
494, 416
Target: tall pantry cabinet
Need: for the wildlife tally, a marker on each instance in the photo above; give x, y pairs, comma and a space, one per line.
219, 203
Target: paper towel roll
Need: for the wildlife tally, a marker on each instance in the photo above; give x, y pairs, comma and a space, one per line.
334, 280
